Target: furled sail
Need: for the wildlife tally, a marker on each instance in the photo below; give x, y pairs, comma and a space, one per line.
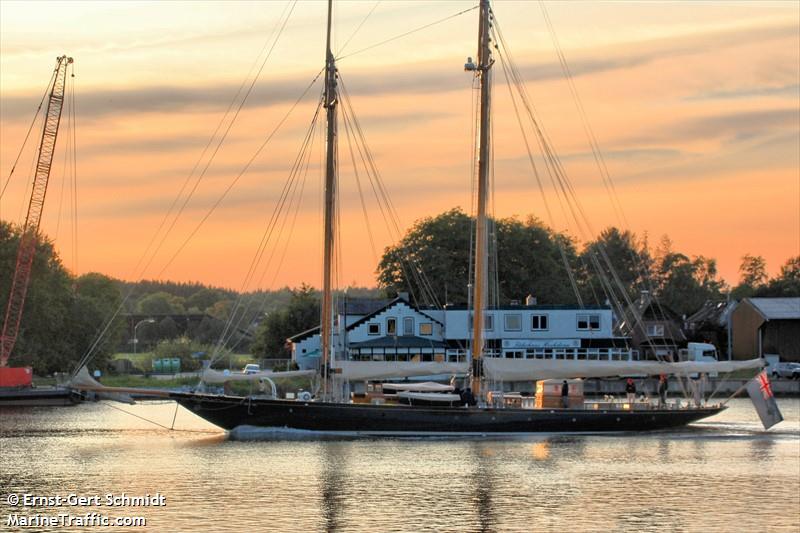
215, 376
501, 369
83, 381
366, 370
427, 386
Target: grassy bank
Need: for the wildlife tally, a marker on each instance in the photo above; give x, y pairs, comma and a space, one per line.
144, 360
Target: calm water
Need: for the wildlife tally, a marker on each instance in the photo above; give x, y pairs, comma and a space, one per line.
725, 474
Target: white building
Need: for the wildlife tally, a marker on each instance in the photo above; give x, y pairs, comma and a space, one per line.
379, 337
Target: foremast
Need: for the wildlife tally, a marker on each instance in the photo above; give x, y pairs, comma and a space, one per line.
329, 102
481, 267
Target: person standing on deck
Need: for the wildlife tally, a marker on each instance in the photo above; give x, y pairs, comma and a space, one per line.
663, 386
630, 388
565, 394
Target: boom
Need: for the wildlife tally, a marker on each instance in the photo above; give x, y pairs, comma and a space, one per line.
30, 231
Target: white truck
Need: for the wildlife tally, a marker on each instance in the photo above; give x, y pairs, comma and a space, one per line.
700, 352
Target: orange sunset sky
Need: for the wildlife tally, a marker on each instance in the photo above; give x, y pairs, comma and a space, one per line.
696, 106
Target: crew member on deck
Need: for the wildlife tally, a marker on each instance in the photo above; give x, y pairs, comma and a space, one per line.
663, 386
630, 388
565, 394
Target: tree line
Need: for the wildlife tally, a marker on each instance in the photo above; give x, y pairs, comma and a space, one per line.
533, 259
63, 313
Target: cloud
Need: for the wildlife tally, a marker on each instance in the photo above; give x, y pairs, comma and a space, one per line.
425, 79
730, 127
748, 92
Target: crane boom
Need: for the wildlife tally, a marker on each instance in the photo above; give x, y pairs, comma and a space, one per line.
30, 231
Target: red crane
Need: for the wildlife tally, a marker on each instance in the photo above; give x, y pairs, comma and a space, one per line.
30, 231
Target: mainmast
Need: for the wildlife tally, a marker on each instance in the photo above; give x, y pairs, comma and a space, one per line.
479, 287
329, 103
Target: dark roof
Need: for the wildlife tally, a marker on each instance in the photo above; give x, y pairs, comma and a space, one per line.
399, 341
384, 308
360, 306
777, 308
713, 312
650, 308
303, 335
460, 307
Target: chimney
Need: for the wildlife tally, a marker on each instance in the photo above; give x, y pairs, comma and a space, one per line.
530, 300
403, 296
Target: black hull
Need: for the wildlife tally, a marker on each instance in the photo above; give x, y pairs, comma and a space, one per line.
37, 397
229, 412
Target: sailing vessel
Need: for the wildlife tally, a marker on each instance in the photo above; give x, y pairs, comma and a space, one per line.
438, 410
432, 414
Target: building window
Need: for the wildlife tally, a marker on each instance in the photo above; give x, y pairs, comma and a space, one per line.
374, 329
408, 326
538, 322
513, 322
488, 322
588, 322
391, 326
655, 330
426, 328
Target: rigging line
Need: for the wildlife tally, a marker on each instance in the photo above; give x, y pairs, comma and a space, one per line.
405, 262
166, 217
109, 404
222, 121
73, 111
566, 186
289, 192
374, 183
407, 33
360, 193
417, 269
546, 203
285, 247
30, 129
341, 50
63, 183
96, 343
306, 148
597, 152
598, 155
221, 140
231, 185
267, 236
386, 209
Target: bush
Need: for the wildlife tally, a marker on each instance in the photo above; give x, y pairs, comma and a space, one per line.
182, 348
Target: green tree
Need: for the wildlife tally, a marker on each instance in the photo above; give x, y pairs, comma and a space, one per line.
167, 328
435, 249
616, 261
753, 272
97, 300
204, 298
435, 254
302, 313
160, 303
786, 284
685, 284
61, 316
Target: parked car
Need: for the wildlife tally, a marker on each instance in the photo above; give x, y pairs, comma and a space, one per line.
251, 368
786, 370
